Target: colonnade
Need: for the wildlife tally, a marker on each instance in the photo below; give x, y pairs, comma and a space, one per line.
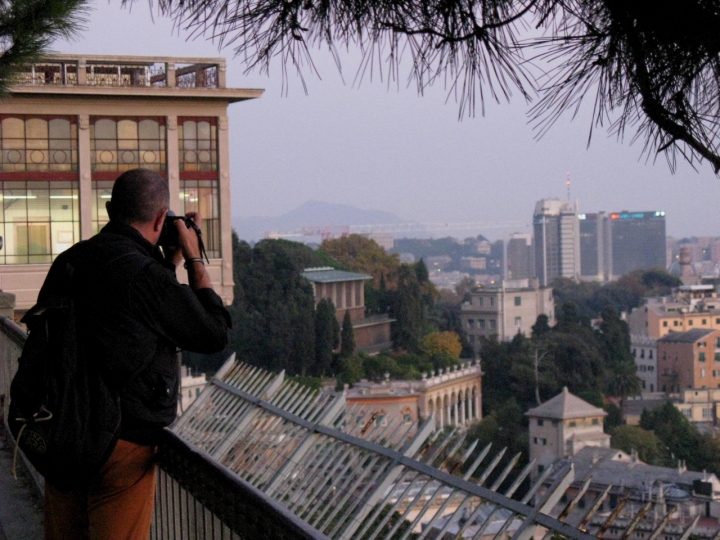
458, 408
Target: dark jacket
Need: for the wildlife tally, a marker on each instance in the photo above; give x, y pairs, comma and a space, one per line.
133, 315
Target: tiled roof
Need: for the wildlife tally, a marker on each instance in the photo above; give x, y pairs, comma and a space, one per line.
327, 274
691, 336
565, 405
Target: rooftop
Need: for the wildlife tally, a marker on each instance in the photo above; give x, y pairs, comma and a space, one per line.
690, 336
122, 76
327, 274
565, 405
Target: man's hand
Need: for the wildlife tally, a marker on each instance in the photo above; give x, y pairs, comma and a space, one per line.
190, 246
188, 239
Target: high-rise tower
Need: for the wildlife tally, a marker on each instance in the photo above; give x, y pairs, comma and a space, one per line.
557, 240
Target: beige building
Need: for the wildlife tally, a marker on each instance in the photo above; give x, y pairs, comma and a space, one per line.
690, 306
506, 310
562, 426
73, 123
191, 385
453, 396
689, 360
346, 290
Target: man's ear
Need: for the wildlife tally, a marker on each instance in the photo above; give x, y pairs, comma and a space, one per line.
159, 221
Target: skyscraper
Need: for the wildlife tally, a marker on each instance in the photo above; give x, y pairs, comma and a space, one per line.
617, 243
557, 240
594, 243
637, 241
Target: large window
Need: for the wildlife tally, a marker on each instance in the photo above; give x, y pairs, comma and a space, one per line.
38, 143
119, 144
39, 216
38, 220
199, 182
101, 191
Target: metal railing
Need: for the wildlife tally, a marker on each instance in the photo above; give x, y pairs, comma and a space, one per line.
258, 457
124, 71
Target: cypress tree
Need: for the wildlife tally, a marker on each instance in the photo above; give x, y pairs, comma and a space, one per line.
347, 337
326, 336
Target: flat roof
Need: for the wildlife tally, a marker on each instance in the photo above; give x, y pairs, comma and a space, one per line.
327, 274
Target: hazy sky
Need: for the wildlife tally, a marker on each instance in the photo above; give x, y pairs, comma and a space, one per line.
389, 149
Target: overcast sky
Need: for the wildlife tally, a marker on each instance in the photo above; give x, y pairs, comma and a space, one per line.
390, 149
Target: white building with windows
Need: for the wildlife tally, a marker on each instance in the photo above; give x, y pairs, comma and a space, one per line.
644, 351
73, 123
504, 311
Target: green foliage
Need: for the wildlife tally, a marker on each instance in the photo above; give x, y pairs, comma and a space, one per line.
442, 343
649, 448
505, 427
683, 440
347, 337
407, 310
360, 254
314, 383
273, 310
29, 27
591, 298
327, 332
614, 417
541, 327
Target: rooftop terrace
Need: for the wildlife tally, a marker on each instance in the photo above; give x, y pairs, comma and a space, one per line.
149, 76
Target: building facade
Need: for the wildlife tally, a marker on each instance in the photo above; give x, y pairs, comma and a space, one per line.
346, 290
644, 351
617, 243
72, 124
519, 257
562, 426
452, 396
689, 360
556, 230
505, 311
689, 307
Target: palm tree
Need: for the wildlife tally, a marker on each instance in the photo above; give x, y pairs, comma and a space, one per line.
624, 383
28, 27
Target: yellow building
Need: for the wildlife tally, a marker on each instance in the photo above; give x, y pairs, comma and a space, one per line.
691, 306
73, 123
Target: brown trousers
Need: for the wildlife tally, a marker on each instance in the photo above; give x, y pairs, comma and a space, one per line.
118, 507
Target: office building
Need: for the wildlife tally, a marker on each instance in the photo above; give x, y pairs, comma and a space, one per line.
637, 241
618, 243
519, 257
72, 124
556, 231
594, 247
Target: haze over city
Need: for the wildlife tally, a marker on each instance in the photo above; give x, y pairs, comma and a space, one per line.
384, 147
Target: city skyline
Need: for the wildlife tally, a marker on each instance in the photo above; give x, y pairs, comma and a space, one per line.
395, 151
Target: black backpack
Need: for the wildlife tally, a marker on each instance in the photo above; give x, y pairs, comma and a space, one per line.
63, 414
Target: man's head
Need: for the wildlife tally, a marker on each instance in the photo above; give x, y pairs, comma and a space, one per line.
140, 198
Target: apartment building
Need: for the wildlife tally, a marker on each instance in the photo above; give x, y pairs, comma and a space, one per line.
644, 352
503, 311
689, 360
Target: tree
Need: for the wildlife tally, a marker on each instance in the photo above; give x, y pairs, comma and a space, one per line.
541, 327
615, 340
624, 383
650, 67
360, 254
649, 448
28, 27
347, 337
407, 309
441, 343
326, 336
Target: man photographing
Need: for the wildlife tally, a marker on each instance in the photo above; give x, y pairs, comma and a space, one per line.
133, 315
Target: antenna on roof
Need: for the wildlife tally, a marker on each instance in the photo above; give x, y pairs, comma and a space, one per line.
567, 183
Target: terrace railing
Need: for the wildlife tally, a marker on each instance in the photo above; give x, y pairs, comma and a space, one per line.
119, 71
258, 456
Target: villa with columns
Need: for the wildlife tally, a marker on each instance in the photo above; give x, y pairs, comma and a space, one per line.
451, 395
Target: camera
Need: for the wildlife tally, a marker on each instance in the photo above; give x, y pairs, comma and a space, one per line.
169, 234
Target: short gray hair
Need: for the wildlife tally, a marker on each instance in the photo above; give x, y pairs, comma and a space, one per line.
138, 195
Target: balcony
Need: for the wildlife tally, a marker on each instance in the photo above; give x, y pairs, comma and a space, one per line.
128, 75
257, 456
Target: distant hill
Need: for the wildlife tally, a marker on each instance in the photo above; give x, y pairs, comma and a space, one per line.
310, 214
